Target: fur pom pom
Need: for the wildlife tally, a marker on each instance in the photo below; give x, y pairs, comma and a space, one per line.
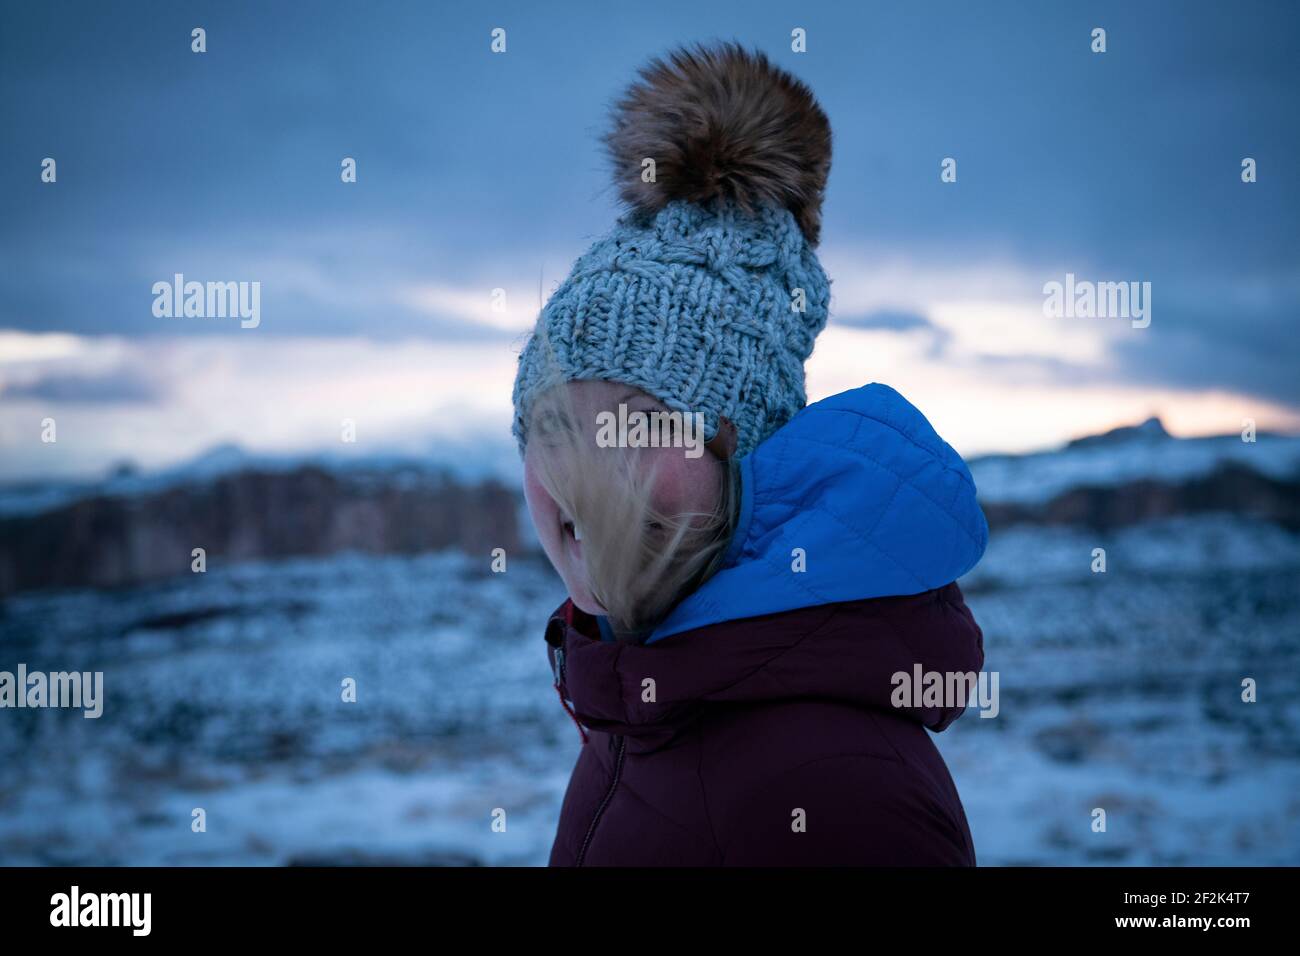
722, 123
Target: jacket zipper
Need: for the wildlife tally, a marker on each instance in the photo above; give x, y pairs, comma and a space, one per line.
613, 784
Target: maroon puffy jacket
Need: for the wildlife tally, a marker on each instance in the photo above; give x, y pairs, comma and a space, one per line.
764, 741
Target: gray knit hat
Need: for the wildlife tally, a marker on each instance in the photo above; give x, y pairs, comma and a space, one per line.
707, 294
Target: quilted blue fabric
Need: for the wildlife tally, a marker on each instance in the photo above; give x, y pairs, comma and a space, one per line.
879, 504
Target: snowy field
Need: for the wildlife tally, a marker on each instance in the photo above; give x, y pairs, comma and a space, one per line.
1118, 690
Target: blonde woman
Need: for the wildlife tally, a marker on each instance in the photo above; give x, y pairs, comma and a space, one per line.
747, 576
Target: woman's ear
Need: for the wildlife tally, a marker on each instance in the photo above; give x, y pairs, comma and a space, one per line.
723, 443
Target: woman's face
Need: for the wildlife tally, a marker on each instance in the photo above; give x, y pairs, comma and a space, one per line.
682, 484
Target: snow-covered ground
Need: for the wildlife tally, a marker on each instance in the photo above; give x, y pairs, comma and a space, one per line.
1118, 690
1122, 690
223, 691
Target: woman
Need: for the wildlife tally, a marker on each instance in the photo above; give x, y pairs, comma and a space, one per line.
739, 606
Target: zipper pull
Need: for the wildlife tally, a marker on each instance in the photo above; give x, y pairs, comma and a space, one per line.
558, 671
582, 731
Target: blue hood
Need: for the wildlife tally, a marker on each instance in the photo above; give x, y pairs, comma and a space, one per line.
879, 504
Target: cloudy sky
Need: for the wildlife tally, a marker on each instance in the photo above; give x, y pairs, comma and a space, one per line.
479, 171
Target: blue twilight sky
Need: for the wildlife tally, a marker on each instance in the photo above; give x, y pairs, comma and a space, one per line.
479, 171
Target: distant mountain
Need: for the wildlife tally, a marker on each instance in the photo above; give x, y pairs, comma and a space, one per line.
469, 461
1150, 430
133, 527
1141, 473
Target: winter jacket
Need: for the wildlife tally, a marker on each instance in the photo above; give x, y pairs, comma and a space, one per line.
758, 724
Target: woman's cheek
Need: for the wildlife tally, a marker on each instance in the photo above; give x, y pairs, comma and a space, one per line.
541, 507
684, 484
668, 479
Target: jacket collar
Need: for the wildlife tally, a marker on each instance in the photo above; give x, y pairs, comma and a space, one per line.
848, 651
855, 497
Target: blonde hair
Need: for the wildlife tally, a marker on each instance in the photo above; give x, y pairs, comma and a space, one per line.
640, 561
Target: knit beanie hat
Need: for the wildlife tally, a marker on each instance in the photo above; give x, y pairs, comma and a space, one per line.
707, 293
